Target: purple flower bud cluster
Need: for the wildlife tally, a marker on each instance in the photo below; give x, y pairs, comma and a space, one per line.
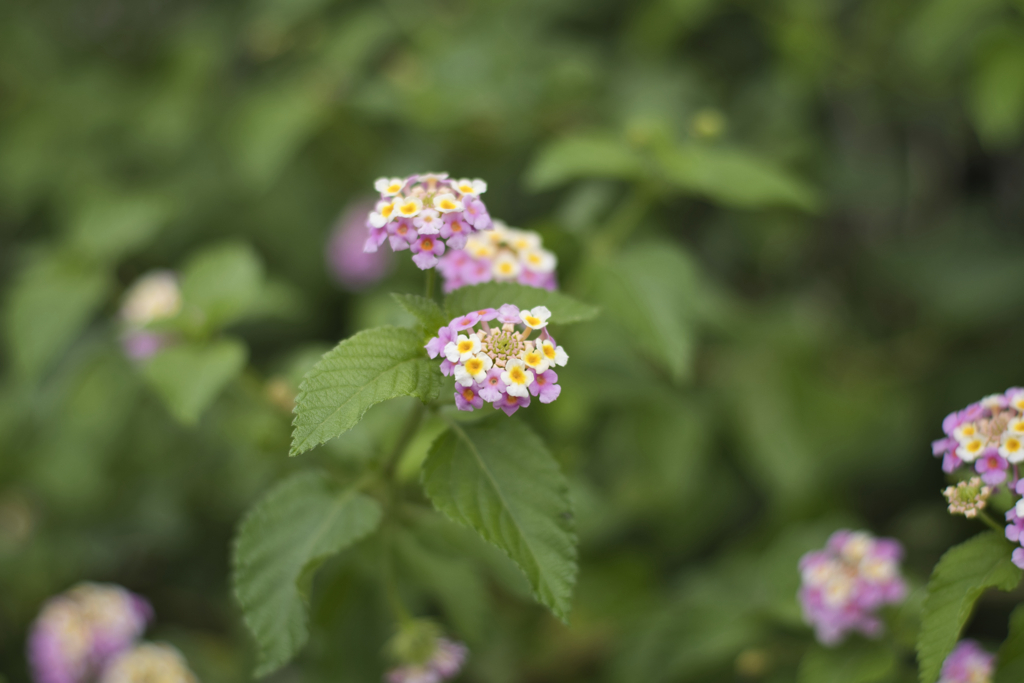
149, 663
990, 435
154, 296
353, 268
846, 583
444, 663
501, 254
968, 663
425, 213
78, 632
498, 363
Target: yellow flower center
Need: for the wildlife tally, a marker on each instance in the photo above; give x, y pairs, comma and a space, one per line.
517, 375
408, 208
1018, 427
447, 205
533, 359
549, 350
474, 366
505, 268
466, 346
974, 446
532, 320
468, 394
466, 189
1012, 445
969, 430
394, 187
386, 210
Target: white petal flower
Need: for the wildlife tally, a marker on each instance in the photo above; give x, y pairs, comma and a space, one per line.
1016, 427
536, 318
462, 376
965, 432
476, 368
538, 260
1012, 448
471, 187
480, 248
383, 213
556, 355
155, 296
970, 450
505, 266
517, 378
464, 348
535, 360
389, 187
407, 207
446, 203
522, 240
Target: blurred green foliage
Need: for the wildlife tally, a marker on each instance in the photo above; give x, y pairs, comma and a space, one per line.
801, 220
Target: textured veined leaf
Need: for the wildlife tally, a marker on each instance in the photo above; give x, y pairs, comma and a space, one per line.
584, 156
1010, 663
280, 544
498, 478
426, 311
189, 377
856, 661
736, 178
50, 303
564, 308
370, 367
959, 579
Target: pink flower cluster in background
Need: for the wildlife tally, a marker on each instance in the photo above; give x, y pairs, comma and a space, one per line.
498, 363
353, 268
78, 632
445, 662
968, 663
501, 254
426, 213
844, 585
149, 663
989, 435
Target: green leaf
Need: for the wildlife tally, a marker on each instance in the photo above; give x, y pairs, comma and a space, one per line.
498, 478
189, 376
959, 579
564, 309
583, 156
997, 94
735, 178
222, 284
109, 228
427, 311
50, 303
1010, 663
280, 545
856, 661
652, 290
373, 366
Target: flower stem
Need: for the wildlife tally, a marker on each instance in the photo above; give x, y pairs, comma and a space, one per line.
983, 516
429, 288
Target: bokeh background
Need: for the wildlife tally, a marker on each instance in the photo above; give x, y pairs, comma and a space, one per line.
802, 220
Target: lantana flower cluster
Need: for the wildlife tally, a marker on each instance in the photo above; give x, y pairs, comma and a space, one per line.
968, 663
844, 585
426, 213
988, 435
493, 361
78, 632
502, 254
154, 296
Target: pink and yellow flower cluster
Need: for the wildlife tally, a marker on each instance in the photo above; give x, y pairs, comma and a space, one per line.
426, 213
495, 361
846, 583
501, 254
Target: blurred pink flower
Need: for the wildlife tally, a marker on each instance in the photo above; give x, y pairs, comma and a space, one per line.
352, 267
